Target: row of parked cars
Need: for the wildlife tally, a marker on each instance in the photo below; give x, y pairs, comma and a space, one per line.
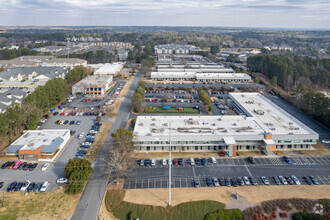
177, 161
89, 139
82, 114
248, 181
72, 122
19, 165
27, 186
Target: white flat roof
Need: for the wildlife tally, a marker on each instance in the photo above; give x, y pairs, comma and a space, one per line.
268, 115
34, 139
109, 68
95, 80
174, 74
222, 76
262, 117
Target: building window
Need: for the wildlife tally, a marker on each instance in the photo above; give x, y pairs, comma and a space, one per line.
187, 147
174, 147
248, 147
215, 147
148, 148
220, 147
209, 147
196, 147
154, 148
162, 147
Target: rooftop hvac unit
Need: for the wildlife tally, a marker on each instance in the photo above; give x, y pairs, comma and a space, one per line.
153, 124
290, 133
290, 123
140, 124
166, 124
296, 128
154, 119
273, 129
148, 134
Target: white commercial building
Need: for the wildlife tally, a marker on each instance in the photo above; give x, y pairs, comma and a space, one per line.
175, 49
93, 85
108, 68
261, 125
39, 145
204, 77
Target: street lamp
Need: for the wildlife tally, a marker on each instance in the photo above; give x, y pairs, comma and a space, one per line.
169, 168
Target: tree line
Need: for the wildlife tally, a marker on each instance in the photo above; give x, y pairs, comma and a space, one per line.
27, 113
138, 97
99, 56
7, 54
291, 71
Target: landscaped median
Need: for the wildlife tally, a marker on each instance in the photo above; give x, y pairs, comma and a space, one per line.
189, 210
167, 109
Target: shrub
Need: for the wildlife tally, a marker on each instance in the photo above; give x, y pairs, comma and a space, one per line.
133, 215
306, 216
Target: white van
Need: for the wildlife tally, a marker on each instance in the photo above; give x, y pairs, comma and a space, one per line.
192, 161
153, 163
44, 187
164, 162
213, 160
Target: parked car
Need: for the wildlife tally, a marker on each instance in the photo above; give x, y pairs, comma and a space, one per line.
192, 161
12, 186
246, 181
164, 163
30, 187
141, 162
5, 165
196, 183
240, 181
315, 182
276, 180
33, 166
222, 181
307, 180
180, 160
26, 166
213, 160
21, 166
253, 181
17, 164
234, 182
264, 180
62, 180
153, 163
295, 180
44, 186
147, 162
81, 135
208, 181
25, 185
10, 166
286, 159
175, 162
197, 161
289, 180
215, 181
228, 181
283, 180
252, 160
44, 167
203, 161
37, 187
18, 186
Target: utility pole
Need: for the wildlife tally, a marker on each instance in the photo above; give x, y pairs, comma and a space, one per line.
169, 171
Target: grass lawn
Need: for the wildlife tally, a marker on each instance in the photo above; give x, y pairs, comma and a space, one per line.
38, 206
187, 210
155, 109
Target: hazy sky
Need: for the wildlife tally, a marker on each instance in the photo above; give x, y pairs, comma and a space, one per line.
234, 13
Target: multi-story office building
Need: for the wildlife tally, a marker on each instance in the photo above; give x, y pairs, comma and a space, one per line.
260, 125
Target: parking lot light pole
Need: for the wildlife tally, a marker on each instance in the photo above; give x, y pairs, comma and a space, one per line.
169, 169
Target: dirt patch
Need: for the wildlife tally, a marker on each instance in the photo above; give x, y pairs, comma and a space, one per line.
39, 206
125, 89
100, 138
253, 194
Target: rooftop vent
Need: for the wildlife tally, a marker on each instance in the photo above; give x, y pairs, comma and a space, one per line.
152, 124
148, 134
165, 124
273, 129
290, 133
296, 128
234, 124
45, 140
140, 124
154, 119
290, 123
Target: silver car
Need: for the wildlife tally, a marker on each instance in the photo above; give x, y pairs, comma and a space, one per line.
264, 180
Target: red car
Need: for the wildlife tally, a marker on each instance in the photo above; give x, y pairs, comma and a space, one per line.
62, 113
175, 162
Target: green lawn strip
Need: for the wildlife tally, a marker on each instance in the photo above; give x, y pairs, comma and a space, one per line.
171, 110
188, 210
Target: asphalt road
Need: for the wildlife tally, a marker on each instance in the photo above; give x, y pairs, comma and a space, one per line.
91, 199
182, 176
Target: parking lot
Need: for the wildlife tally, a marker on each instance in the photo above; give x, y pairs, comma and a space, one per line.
55, 170
183, 175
